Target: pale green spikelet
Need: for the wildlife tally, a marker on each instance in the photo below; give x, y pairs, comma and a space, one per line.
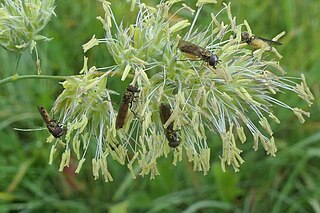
236, 100
22, 21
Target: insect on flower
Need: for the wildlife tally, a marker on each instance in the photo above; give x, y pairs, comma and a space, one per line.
257, 42
194, 51
54, 128
171, 134
127, 99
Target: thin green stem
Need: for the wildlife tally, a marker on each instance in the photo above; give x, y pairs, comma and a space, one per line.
18, 62
17, 77
194, 21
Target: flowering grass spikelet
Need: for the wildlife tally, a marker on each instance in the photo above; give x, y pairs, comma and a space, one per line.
235, 99
22, 21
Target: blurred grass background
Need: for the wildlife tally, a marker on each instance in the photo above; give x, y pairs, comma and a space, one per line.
289, 182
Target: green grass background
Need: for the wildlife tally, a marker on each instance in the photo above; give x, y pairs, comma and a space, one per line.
289, 182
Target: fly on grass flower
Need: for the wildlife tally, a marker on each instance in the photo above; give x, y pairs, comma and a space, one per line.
171, 134
257, 42
193, 50
126, 103
236, 100
55, 128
